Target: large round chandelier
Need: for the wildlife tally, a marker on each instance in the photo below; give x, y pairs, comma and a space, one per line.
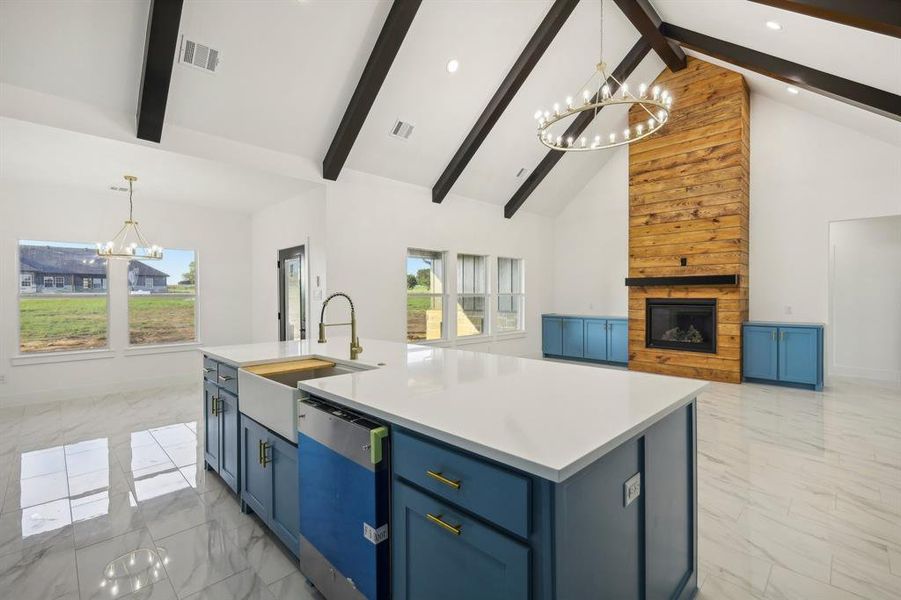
128, 243
603, 89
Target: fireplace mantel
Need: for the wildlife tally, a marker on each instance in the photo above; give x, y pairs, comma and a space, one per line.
684, 280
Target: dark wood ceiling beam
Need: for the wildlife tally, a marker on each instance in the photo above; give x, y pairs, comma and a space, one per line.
392, 35
534, 50
575, 129
646, 20
160, 46
847, 91
880, 16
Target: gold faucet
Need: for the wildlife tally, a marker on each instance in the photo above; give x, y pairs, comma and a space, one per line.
355, 347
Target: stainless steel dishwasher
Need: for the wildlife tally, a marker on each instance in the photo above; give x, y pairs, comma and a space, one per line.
344, 486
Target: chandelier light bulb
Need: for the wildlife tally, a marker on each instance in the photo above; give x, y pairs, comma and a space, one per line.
559, 140
538, 115
569, 101
586, 95
661, 115
656, 91
625, 90
612, 137
642, 90
569, 141
664, 94
626, 133
651, 123
597, 139
639, 128
605, 91
556, 109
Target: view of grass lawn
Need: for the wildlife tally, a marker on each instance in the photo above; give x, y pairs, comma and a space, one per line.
62, 323
79, 322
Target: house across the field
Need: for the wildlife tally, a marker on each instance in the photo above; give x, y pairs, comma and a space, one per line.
55, 270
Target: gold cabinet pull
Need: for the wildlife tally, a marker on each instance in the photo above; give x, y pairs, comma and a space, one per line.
439, 477
437, 520
214, 406
265, 460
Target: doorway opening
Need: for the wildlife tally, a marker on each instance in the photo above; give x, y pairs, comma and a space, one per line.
292, 298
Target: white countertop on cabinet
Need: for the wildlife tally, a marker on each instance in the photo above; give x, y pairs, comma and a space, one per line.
547, 418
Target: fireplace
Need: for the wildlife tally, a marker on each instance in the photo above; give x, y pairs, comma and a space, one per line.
681, 324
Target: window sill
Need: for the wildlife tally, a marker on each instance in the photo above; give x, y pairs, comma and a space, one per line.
60, 357
472, 339
161, 348
510, 335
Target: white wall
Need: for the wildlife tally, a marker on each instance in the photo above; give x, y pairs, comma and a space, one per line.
591, 237
865, 286
806, 172
40, 212
294, 222
371, 223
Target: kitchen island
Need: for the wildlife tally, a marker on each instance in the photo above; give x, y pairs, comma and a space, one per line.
510, 477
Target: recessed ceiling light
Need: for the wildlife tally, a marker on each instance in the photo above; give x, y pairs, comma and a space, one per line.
774, 25
792, 90
452, 65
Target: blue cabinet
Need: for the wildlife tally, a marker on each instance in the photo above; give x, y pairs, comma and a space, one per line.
440, 553
573, 337
596, 339
552, 336
787, 353
269, 482
221, 444
618, 340
761, 352
600, 339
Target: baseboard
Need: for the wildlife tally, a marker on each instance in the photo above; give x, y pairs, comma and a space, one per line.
865, 373
83, 391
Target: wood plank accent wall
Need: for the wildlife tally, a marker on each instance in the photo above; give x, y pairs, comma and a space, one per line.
689, 198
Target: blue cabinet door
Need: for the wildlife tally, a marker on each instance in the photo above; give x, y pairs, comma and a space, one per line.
256, 479
284, 515
596, 339
443, 554
573, 337
229, 439
211, 427
798, 354
552, 336
618, 340
760, 352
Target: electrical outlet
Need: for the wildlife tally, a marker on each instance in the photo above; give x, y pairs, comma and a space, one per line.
2, 379
631, 489
788, 309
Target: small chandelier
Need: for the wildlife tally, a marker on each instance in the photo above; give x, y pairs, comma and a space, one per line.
599, 91
128, 243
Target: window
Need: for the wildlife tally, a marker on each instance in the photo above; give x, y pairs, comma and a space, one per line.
164, 312
52, 318
472, 295
87, 283
425, 295
510, 296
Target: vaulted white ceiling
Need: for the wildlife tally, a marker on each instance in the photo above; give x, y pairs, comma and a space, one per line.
289, 67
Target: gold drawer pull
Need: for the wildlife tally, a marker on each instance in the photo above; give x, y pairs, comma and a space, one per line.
438, 476
437, 520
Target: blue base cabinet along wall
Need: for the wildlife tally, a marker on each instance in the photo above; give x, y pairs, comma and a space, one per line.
464, 526
594, 339
783, 353
269, 481
220, 423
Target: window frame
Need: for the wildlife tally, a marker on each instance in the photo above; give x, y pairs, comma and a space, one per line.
445, 328
132, 348
49, 356
485, 296
30, 277
519, 297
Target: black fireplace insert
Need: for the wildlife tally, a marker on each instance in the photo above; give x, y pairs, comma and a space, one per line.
681, 324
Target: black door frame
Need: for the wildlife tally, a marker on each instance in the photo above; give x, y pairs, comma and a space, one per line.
283, 255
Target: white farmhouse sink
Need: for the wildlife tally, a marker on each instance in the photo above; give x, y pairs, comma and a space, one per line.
269, 393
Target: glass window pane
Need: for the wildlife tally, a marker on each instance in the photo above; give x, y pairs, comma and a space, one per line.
56, 310
425, 272
471, 274
162, 298
509, 313
425, 318
470, 315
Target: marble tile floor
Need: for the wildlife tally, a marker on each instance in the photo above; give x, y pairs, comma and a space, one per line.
799, 495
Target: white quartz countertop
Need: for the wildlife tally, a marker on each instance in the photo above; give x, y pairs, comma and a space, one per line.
546, 418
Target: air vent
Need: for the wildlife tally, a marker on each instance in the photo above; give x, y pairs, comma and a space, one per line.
522, 172
402, 129
199, 55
